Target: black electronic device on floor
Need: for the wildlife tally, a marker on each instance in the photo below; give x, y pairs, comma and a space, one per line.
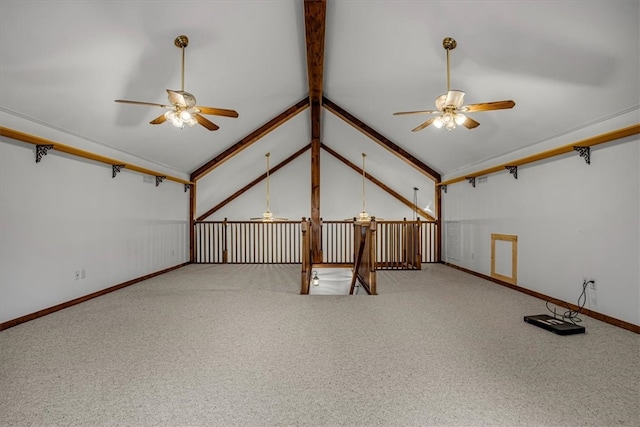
554, 324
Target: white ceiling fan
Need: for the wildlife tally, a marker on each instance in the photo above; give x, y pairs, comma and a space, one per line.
183, 109
449, 111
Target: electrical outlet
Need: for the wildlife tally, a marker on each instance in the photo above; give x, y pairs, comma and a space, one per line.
591, 283
77, 274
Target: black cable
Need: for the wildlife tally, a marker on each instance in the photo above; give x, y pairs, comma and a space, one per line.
572, 315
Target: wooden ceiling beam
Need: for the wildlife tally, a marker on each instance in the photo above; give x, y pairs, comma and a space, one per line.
250, 139
253, 183
380, 184
380, 139
314, 24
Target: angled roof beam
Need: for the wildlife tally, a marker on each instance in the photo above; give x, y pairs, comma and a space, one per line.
249, 139
380, 184
377, 137
253, 183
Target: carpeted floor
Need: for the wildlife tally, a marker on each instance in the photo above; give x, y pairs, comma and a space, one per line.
235, 345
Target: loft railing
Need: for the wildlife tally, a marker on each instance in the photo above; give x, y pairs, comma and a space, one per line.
247, 242
400, 244
364, 269
337, 242
429, 241
307, 265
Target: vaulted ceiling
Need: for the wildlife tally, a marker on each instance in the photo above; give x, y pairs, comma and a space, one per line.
566, 64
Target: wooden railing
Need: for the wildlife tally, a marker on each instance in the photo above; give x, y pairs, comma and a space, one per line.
247, 242
364, 271
400, 244
307, 265
337, 242
429, 242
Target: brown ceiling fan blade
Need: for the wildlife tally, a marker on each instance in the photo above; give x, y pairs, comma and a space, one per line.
152, 104
158, 120
470, 123
217, 111
497, 105
401, 113
206, 123
424, 125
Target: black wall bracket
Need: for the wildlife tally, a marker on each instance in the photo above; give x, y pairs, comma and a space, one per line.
471, 180
159, 179
444, 188
115, 169
187, 187
584, 152
513, 170
41, 150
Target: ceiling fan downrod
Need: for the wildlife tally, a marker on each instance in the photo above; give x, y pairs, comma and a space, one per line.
449, 44
182, 42
267, 156
364, 211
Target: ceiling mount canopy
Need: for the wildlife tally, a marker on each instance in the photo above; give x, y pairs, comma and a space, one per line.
450, 111
183, 109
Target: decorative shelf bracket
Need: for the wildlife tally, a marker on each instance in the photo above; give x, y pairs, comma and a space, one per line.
471, 180
187, 187
159, 179
584, 152
513, 170
41, 150
444, 188
115, 169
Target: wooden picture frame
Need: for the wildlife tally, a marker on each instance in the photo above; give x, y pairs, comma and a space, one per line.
513, 280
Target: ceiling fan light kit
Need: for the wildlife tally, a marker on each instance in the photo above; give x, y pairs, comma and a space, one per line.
450, 111
183, 109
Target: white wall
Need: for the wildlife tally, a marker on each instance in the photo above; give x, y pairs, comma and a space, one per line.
572, 220
290, 194
67, 214
340, 186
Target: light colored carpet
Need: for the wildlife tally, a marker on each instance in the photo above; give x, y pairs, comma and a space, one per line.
235, 345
